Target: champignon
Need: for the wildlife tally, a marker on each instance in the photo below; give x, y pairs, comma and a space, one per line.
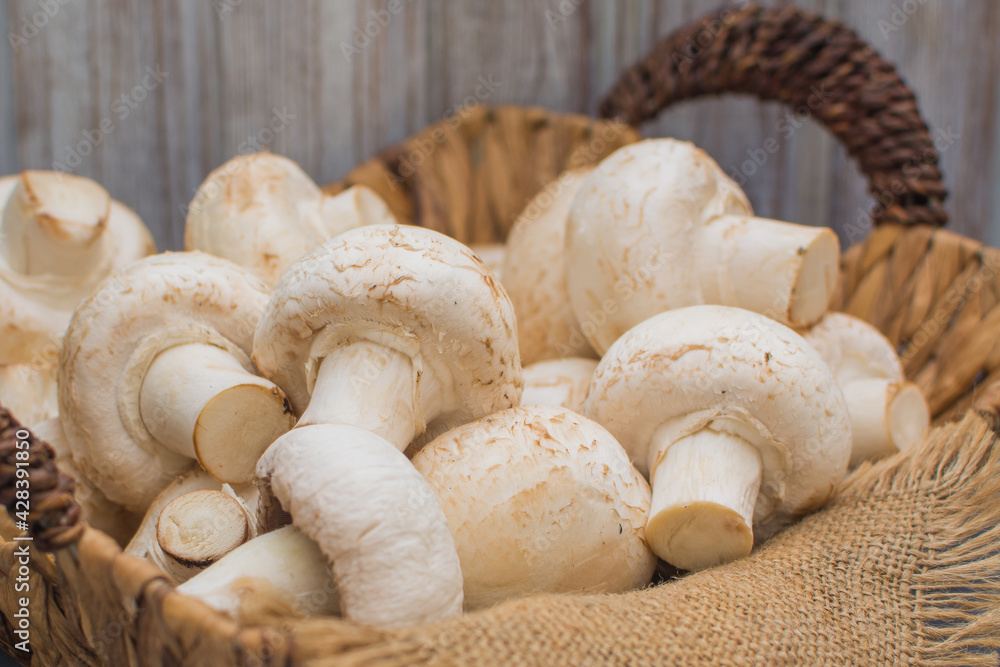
534, 275
373, 517
540, 499
888, 414
30, 391
393, 329
560, 382
197, 529
60, 236
492, 255
283, 564
735, 418
155, 372
264, 213
95, 507
657, 225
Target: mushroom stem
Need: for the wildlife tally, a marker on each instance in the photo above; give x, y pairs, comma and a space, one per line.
197, 529
199, 401
785, 271
370, 386
283, 562
705, 487
52, 222
886, 417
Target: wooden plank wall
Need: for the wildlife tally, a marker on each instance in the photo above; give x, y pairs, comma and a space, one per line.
205, 79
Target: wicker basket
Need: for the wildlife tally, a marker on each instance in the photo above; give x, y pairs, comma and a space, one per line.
932, 292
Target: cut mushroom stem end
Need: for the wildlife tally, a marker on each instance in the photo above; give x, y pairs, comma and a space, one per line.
199, 401
787, 271
704, 487
886, 417
198, 528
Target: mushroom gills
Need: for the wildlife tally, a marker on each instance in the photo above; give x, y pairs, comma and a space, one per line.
705, 487
195, 397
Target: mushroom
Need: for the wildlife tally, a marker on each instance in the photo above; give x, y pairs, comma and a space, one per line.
888, 414
374, 518
393, 329
534, 274
97, 510
264, 213
155, 372
283, 564
30, 391
60, 236
560, 382
540, 499
657, 225
198, 528
735, 418
492, 255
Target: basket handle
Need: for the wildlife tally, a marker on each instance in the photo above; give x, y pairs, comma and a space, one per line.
48, 512
809, 62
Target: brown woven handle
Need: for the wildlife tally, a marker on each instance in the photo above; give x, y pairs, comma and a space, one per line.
39, 500
810, 63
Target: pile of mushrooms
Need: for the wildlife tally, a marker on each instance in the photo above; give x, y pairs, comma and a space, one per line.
320, 410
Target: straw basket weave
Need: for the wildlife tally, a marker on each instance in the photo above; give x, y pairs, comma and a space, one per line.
901, 568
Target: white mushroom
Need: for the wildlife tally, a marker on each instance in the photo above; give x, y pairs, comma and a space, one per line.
888, 414
264, 213
392, 329
143, 542
283, 564
534, 275
374, 518
657, 225
492, 255
97, 510
155, 372
540, 499
198, 528
60, 236
735, 418
30, 392
560, 382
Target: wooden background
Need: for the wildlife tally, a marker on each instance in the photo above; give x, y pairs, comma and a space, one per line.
202, 78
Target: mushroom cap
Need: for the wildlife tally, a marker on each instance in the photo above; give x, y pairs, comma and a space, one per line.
631, 230
559, 382
540, 499
493, 256
374, 518
248, 211
411, 288
264, 213
853, 348
35, 309
150, 306
742, 373
534, 274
